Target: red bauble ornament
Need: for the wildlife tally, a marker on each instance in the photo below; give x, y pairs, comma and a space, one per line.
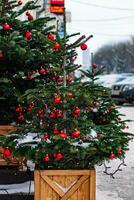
46, 136
52, 115
55, 131
42, 71
41, 113
28, 13
110, 108
29, 109
7, 152
46, 158
57, 46
69, 79
59, 156
51, 36
6, 27
69, 95
76, 133
57, 100
19, 109
30, 17
21, 118
76, 112
100, 136
59, 80
1, 55
28, 35
119, 151
20, 3
83, 46
55, 155
59, 113
94, 66
96, 104
62, 134
112, 156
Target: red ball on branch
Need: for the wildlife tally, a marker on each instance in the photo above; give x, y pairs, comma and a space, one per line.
7, 152
20, 3
51, 36
69, 95
55, 131
94, 66
29, 109
42, 71
46, 158
119, 151
76, 133
28, 35
21, 117
63, 134
59, 114
52, 115
6, 27
100, 136
28, 13
76, 112
59, 156
19, 109
57, 100
96, 104
83, 46
57, 46
112, 156
30, 17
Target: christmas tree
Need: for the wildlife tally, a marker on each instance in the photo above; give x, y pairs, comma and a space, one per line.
22, 53
65, 122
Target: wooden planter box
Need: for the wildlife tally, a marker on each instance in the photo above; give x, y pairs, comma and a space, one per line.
65, 185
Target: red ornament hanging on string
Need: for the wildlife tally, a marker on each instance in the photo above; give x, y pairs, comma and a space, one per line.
28, 35
19, 109
7, 152
112, 156
20, 3
52, 115
6, 27
46, 158
42, 71
30, 17
57, 46
69, 95
57, 99
63, 134
94, 66
76, 133
83, 46
76, 112
51, 36
21, 117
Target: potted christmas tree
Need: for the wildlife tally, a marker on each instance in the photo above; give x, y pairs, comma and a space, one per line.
66, 125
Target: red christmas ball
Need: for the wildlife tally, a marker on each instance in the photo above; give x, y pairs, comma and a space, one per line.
83, 46
21, 117
56, 46
62, 134
55, 155
59, 113
28, 13
6, 27
52, 115
110, 108
57, 100
42, 71
19, 109
119, 151
69, 95
1, 55
28, 35
96, 104
59, 80
30, 17
112, 156
46, 136
7, 152
100, 136
51, 36
20, 3
29, 109
46, 158
55, 131
76, 112
59, 156
94, 66
41, 113
76, 133
69, 79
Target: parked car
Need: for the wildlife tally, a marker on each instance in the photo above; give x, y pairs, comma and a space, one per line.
121, 91
109, 80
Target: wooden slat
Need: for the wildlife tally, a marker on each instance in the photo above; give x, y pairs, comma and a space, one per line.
74, 187
65, 172
53, 185
4, 130
93, 185
37, 185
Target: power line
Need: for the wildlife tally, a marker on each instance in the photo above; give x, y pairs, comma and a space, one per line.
102, 20
101, 6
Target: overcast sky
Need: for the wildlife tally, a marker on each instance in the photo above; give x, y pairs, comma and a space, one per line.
108, 21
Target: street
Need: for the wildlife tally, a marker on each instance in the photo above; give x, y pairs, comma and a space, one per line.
122, 187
